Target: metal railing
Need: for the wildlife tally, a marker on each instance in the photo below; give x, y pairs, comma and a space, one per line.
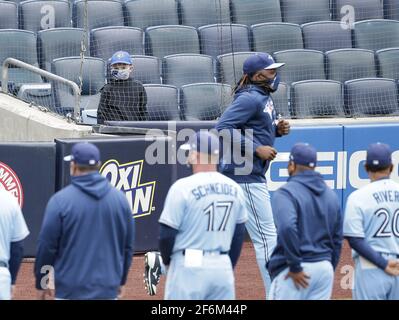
46, 74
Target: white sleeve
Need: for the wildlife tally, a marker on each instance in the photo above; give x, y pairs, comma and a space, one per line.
353, 219
174, 207
20, 230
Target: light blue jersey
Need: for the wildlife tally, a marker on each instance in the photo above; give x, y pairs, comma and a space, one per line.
12, 229
372, 212
205, 208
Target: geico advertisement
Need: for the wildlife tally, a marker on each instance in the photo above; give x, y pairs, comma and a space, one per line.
341, 169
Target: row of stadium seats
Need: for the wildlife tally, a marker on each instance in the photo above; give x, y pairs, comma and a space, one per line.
199, 101
218, 39
35, 15
50, 44
303, 99
311, 98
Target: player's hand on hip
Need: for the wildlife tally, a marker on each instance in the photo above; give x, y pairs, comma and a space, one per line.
300, 279
266, 152
283, 127
392, 268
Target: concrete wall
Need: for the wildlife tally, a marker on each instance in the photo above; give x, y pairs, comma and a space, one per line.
19, 122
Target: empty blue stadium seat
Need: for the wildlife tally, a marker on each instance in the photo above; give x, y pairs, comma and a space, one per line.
255, 11
217, 39
148, 13
104, 42
181, 69
317, 98
363, 9
371, 96
326, 35
376, 34
199, 13
304, 11
146, 69
388, 63
349, 64
229, 67
391, 9
301, 65
162, 102
204, 101
21, 45
8, 15
276, 36
101, 13
93, 79
161, 41
38, 15
280, 100
58, 43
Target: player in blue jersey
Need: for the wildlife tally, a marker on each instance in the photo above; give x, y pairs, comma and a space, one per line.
252, 124
371, 226
202, 227
309, 228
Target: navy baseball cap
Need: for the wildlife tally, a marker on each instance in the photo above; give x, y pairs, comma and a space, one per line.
84, 153
204, 142
260, 61
120, 57
379, 155
304, 154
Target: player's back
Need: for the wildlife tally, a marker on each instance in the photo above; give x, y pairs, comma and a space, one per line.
377, 204
211, 206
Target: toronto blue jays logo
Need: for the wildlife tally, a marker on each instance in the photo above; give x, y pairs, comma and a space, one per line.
127, 178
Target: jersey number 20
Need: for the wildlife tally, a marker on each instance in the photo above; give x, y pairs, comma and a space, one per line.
383, 231
225, 207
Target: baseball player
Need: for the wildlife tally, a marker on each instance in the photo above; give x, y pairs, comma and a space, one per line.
371, 225
202, 227
309, 232
87, 235
13, 231
252, 112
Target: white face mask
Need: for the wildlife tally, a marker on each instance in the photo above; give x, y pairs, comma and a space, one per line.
120, 74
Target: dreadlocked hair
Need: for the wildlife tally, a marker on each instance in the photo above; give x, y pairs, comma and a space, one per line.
244, 81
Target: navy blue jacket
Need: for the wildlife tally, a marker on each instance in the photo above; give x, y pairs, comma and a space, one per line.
252, 108
309, 223
87, 235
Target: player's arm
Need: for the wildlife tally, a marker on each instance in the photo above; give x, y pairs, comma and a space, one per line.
361, 246
234, 118
286, 219
129, 243
48, 243
16, 256
19, 233
236, 243
167, 237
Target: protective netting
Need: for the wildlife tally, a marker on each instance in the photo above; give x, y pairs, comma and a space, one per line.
342, 56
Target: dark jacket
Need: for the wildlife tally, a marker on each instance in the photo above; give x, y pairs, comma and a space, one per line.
252, 108
309, 223
87, 235
122, 100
